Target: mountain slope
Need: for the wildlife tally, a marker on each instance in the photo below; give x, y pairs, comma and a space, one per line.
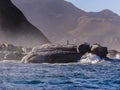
54, 17
14, 28
102, 27
62, 21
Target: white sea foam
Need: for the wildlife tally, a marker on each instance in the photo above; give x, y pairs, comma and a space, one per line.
10, 61
90, 58
117, 56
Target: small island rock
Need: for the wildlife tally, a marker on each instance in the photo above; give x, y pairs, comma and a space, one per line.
49, 53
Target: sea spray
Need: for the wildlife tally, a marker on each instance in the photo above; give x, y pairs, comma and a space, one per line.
90, 58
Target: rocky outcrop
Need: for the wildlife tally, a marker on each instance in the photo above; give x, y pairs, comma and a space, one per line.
83, 48
58, 53
11, 52
49, 53
114, 54
90, 58
99, 50
15, 29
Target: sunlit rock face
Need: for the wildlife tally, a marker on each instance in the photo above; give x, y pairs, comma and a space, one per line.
99, 50
14, 27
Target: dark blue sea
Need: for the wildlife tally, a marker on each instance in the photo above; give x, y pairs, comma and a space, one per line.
74, 76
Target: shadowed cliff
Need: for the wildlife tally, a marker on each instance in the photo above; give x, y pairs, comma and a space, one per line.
14, 27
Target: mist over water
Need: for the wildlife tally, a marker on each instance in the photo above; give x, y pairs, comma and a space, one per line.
20, 40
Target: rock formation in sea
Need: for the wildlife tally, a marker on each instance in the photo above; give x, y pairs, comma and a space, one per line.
114, 54
99, 50
58, 53
50, 53
15, 28
11, 52
83, 48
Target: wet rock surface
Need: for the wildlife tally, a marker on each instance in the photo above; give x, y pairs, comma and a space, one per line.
11, 52
49, 53
57, 53
99, 50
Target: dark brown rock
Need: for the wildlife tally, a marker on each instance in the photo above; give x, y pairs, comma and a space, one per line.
83, 48
53, 54
99, 50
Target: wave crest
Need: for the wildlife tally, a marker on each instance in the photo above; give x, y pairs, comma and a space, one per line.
90, 58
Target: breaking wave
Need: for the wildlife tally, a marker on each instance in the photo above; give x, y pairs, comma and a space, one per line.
90, 59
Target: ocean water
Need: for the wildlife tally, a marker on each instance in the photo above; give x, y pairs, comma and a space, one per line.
74, 76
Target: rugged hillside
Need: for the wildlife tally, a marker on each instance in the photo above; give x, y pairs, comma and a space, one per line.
54, 17
62, 21
102, 27
15, 29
